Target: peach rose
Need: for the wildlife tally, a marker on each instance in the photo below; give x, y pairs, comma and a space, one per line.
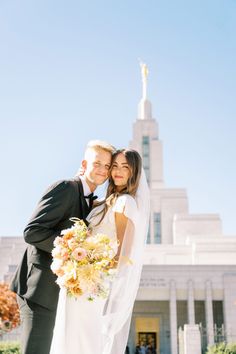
79, 253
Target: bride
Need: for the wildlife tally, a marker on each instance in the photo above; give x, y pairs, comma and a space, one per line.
102, 326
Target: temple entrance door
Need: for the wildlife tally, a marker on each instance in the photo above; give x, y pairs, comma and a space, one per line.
148, 332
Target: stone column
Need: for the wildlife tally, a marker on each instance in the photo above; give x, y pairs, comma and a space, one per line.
230, 306
192, 339
209, 314
151, 225
191, 309
173, 319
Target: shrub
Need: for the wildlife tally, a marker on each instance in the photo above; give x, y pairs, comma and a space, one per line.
9, 311
10, 348
222, 348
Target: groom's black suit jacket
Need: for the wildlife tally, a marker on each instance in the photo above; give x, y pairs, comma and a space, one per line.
34, 279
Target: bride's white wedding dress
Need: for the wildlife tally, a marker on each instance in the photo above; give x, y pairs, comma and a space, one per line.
79, 322
101, 326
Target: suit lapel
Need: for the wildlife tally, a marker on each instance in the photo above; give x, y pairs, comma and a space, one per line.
82, 201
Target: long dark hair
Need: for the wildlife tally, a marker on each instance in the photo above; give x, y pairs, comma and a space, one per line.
134, 162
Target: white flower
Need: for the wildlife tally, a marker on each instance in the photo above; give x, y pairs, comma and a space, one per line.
56, 252
111, 254
112, 272
65, 231
56, 264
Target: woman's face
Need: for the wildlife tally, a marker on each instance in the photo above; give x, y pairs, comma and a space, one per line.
120, 171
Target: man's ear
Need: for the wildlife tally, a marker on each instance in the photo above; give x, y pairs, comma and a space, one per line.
84, 164
83, 167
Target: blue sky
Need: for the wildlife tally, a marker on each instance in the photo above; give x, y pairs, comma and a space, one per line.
69, 72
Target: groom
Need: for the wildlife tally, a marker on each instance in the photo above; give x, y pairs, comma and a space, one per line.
34, 282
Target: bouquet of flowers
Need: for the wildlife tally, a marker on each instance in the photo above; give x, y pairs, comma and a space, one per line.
84, 263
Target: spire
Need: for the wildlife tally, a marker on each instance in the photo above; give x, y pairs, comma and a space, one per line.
144, 107
144, 73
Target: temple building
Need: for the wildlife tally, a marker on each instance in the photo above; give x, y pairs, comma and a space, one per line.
189, 273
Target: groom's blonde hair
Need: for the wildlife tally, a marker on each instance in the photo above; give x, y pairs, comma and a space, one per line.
99, 145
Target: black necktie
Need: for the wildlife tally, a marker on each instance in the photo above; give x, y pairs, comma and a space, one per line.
91, 198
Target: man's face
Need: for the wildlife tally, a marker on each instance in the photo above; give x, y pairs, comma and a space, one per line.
96, 165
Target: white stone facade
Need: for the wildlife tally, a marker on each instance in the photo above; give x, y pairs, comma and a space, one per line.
11, 251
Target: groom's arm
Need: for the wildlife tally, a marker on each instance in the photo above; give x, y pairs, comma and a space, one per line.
52, 209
